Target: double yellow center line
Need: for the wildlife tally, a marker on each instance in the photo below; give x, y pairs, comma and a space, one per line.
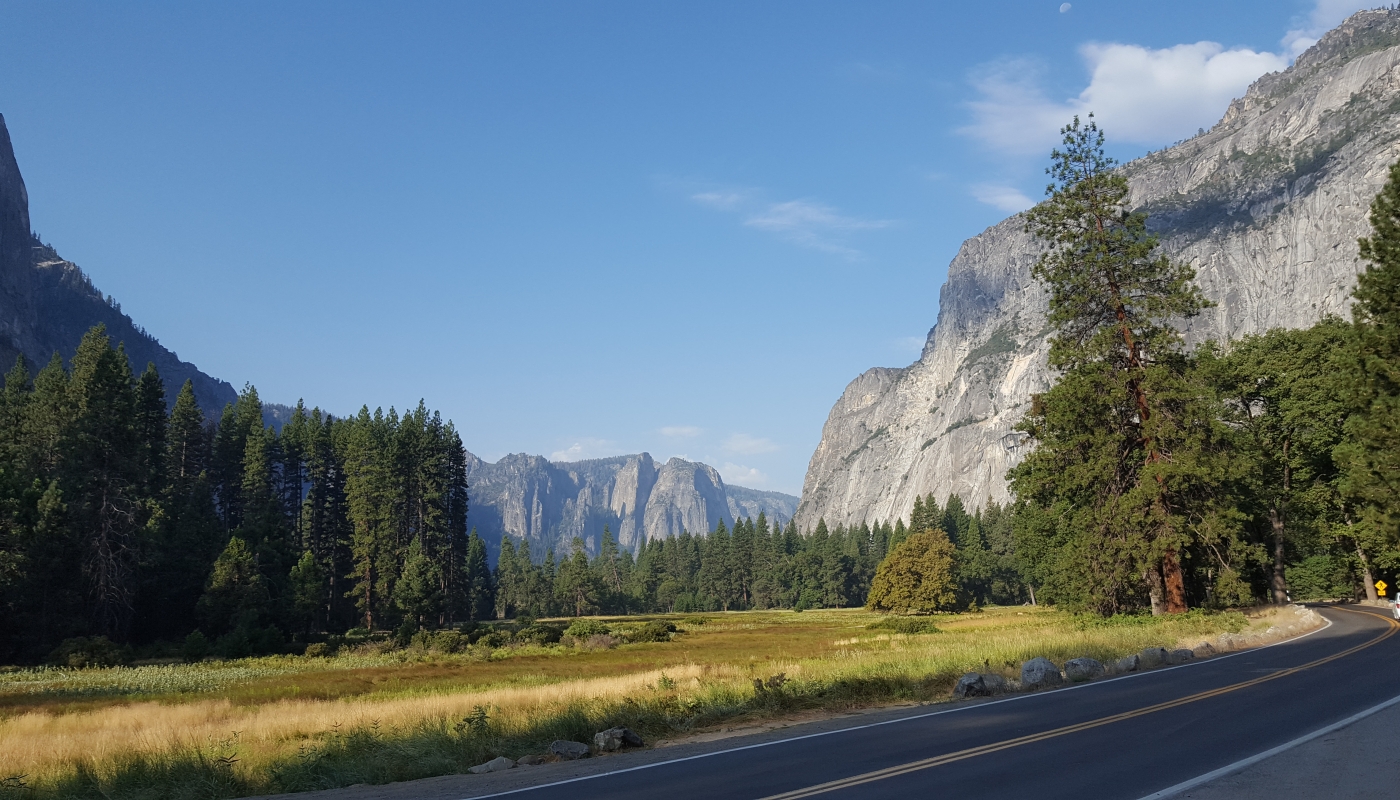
973, 752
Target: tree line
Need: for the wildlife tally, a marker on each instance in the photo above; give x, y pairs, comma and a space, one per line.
122, 520
752, 566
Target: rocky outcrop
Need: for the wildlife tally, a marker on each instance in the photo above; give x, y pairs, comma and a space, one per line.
1267, 206
1040, 673
549, 504
47, 303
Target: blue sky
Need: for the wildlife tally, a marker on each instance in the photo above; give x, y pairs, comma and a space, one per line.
580, 229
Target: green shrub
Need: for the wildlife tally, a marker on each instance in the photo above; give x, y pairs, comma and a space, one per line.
319, 650
88, 651
655, 631
494, 639
1324, 577
906, 625
584, 628
196, 647
539, 634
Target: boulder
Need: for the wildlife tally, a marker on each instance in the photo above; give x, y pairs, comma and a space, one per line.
615, 739
975, 684
494, 765
1180, 656
532, 760
1083, 669
1151, 657
1128, 663
1204, 650
1040, 673
568, 751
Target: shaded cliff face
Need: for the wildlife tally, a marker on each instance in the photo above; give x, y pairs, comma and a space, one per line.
1267, 206
548, 504
47, 304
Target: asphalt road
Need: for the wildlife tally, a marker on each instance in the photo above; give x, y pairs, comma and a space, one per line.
1122, 738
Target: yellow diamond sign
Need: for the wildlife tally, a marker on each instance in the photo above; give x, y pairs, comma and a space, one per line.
1380, 587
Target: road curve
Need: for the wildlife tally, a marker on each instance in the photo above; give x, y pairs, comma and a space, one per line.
1121, 738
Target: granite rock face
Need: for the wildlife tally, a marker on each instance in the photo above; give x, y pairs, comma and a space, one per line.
47, 304
548, 504
1267, 206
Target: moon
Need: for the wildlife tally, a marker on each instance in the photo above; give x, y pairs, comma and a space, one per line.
1064, 8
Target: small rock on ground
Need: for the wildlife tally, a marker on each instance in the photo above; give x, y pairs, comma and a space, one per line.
1083, 669
1180, 656
568, 751
1151, 657
1129, 663
615, 739
1040, 673
975, 684
532, 760
494, 765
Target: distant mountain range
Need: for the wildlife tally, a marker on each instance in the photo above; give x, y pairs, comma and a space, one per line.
548, 504
47, 304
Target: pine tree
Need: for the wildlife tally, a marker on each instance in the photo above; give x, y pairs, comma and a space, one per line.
418, 591
1106, 432
1372, 454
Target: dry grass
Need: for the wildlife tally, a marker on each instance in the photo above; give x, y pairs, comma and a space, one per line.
705, 677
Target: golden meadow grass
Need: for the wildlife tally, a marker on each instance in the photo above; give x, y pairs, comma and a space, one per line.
263, 725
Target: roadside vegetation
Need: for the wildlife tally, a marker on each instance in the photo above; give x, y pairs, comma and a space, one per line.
374, 712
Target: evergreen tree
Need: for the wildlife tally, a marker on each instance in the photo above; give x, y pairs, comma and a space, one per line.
1112, 435
1372, 453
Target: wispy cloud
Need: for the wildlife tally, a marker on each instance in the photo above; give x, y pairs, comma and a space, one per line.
584, 449
744, 444
1002, 198
740, 475
680, 431
803, 222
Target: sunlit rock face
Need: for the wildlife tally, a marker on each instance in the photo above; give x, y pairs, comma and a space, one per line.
1267, 206
549, 504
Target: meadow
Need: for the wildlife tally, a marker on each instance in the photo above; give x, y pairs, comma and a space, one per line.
371, 714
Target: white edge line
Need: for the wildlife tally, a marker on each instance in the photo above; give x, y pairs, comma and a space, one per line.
1172, 791
968, 707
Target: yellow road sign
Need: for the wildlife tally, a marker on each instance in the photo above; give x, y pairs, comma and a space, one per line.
1380, 586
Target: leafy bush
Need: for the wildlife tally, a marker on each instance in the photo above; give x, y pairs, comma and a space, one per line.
88, 651
906, 625
319, 650
584, 628
654, 631
538, 634
1323, 577
196, 647
494, 639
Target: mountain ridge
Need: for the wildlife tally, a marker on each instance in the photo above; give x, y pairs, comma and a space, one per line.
1266, 205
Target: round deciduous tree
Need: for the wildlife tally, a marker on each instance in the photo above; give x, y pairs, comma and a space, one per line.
917, 577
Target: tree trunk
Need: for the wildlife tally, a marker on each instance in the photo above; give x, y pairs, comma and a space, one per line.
1278, 583
1032, 588
1367, 579
1154, 590
1175, 584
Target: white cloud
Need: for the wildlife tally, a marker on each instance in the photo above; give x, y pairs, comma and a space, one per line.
1137, 94
812, 225
1002, 198
740, 475
749, 445
724, 201
584, 449
680, 431
802, 222
1326, 15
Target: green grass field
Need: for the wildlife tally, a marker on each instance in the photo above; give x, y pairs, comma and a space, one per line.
225, 729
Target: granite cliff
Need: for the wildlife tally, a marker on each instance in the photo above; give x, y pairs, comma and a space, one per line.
548, 504
47, 304
1267, 206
